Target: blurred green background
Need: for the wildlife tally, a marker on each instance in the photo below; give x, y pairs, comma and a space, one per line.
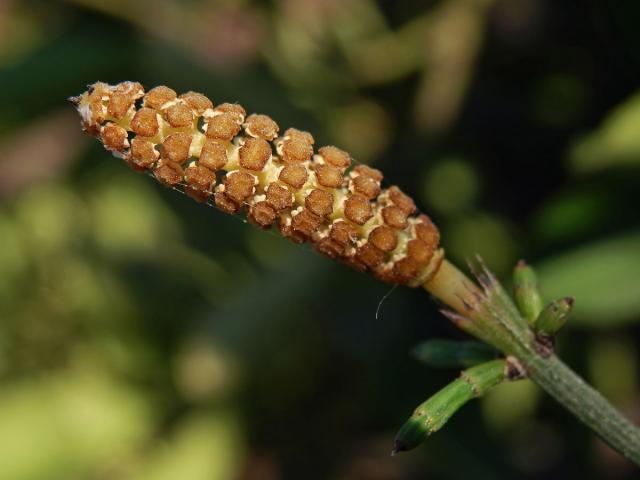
145, 337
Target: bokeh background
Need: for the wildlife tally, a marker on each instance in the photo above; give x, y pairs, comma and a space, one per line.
143, 336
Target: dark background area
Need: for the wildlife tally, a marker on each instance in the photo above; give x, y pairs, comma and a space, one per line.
145, 336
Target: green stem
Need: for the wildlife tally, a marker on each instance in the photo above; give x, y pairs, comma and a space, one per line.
595, 411
454, 288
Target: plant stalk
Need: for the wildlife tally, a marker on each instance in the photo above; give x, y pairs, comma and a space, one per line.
454, 288
586, 403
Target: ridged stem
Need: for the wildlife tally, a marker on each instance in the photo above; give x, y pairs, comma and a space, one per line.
586, 403
455, 289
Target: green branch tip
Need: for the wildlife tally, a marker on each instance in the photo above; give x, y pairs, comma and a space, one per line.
431, 415
554, 317
526, 292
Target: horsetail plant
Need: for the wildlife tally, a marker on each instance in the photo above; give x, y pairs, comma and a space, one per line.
218, 155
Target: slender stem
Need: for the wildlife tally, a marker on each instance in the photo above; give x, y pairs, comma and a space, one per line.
455, 289
595, 411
